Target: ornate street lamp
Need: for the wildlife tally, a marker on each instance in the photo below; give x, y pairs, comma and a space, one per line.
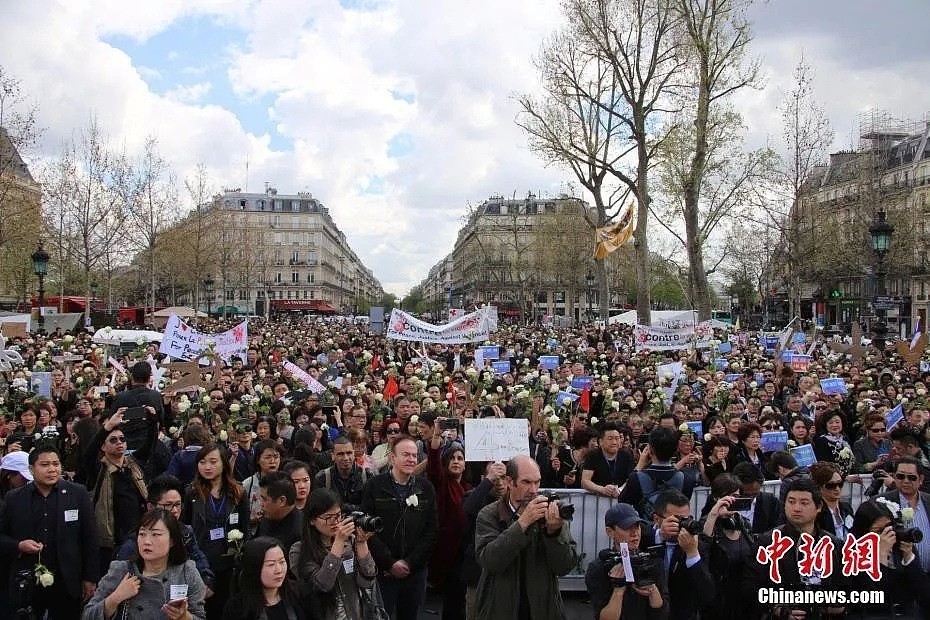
40, 260
589, 282
880, 233
208, 291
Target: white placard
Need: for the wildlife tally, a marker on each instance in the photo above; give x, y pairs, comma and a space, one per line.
496, 439
298, 373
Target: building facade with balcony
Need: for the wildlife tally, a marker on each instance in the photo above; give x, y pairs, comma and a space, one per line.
828, 268
20, 204
284, 253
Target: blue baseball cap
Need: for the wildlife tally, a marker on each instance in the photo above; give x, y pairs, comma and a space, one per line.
623, 516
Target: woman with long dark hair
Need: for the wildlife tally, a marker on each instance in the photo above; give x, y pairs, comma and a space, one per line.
264, 592
214, 506
333, 557
161, 582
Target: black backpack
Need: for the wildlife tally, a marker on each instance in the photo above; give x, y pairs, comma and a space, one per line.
651, 490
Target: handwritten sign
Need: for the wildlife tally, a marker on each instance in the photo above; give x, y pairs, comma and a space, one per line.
774, 441
834, 385
181, 341
299, 374
549, 362
501, 367
804, 455
495, 439
893, 417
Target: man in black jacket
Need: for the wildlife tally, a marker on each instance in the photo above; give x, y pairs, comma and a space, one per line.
139, 393
407, 506
50, 521
690, 585
766, 511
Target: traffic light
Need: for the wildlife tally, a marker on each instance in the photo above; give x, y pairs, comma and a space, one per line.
835, 293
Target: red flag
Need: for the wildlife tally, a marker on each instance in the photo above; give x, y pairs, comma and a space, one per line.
375, 363
450, 390
390, 388
585, 404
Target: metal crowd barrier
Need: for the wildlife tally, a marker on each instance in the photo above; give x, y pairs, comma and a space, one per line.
587, 526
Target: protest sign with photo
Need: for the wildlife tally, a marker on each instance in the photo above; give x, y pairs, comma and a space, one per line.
181, 341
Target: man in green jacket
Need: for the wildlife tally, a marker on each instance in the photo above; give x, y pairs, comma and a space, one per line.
522, 548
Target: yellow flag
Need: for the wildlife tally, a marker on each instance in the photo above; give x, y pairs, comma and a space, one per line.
611, 238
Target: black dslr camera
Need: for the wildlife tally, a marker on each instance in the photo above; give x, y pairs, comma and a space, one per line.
689, 525
366, 522
907, 534
566, 510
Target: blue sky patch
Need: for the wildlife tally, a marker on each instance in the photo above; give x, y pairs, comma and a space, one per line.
400, 144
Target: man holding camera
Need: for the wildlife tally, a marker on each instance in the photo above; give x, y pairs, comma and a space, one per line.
690, 585
613, 596
523, 547
908, 480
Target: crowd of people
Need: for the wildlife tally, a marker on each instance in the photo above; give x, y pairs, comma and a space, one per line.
252, 494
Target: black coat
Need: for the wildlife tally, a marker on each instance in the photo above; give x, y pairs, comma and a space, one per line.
689, 589
75, 538
409, 531
767, 514
140, 396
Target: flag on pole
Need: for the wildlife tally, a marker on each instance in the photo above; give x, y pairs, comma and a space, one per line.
390, 388
585, 404
916, 335
611, 238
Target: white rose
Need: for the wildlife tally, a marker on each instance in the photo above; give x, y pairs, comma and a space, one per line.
234, 536
46, 580
553, 419
707, 437
205, 400
413, 501
566, 401
379, 397
414, 418
224, 435
500, 389
173, 431
593, 421
683, 427
234, 408
554, 389
907, 513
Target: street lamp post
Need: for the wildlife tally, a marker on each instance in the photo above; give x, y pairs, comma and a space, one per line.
589, 282
90, 303
880, 232
40, 267
208, 292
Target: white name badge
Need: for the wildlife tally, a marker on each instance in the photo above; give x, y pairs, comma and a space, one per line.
177, 592
217, 533
349, 566
71, 515
234, 518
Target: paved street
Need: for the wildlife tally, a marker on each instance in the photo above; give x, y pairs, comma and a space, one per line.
576, 606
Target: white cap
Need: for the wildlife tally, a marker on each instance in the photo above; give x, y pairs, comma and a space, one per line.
17, 461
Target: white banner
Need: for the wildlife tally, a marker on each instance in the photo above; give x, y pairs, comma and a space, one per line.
298, 373
663, 339
473, 327
181, 341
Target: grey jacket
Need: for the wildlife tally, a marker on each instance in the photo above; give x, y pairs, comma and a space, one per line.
328, 579
153, 593
503, 549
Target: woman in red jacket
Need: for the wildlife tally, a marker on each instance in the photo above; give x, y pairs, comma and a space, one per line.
445, 467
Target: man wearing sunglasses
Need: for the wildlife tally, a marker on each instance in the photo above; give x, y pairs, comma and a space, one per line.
908, 478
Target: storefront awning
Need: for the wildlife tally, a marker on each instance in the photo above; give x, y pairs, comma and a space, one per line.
303, 305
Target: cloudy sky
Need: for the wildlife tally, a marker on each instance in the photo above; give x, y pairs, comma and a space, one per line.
395, 113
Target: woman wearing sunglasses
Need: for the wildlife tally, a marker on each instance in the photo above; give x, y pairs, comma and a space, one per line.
836, 516
389, 430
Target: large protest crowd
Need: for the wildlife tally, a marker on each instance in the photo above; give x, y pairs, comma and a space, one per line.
343, 488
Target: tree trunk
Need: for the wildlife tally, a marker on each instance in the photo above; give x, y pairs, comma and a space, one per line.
643, 301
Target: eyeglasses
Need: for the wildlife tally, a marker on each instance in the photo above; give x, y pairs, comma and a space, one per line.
116, 440
880, 429
768, 427
908, 477
833, 486
392, 431
583, 418
170, 506
331, 518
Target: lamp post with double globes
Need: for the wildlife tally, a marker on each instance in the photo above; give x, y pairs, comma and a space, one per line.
40, 260
880, 233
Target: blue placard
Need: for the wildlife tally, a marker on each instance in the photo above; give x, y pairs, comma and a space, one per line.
721, 363
549, 362
760, 379
798, 338
580, 383
893, 417
490, 352
41, 383
770, 343
696, 427
501, 367
924, 366
553, 343
833, 385
724, 347
804, 455
774, 441
561, 396
733, 377
787, 355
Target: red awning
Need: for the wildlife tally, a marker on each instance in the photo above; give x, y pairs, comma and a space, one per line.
310, 305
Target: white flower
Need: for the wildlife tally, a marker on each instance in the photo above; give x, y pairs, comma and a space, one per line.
554, 389
683, 427
753, 385
69, 338
566, 401
414, 418
205, 400
45, 579
500, 389
234, 408
413, 500
616, 406
707, 437
448, 395
224, 435
261, 373
548, 409
553, 419
593, 421
379, 397
140, 341
791, 444
234, 536
324, 426
173, 431
891, 506
845, 453
907, 514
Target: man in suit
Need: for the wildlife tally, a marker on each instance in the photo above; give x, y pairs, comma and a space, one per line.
908, 479
690, 585
456, 359
50, 521
766, 511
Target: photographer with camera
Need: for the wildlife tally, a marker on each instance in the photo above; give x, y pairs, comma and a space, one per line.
612, 594
690, 585
732, 547
908, 479
332, 555
803, 503
523, 546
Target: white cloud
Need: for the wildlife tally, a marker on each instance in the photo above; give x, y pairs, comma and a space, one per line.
332, 77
